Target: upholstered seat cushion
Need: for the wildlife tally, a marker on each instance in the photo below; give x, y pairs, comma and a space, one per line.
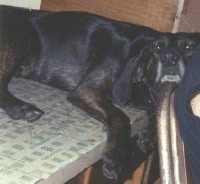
59, 145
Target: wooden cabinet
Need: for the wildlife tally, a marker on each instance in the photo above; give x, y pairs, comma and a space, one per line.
153, 13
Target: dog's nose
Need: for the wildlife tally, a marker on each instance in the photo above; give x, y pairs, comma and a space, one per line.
170, 58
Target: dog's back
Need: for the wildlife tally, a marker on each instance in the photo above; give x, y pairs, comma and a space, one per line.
58, 48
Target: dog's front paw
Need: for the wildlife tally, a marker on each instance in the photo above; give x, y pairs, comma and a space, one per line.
110, 171
110, 168
25, 112
112, 162
146, 139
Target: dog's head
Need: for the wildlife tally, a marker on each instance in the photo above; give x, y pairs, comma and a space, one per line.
163, 59
166, 58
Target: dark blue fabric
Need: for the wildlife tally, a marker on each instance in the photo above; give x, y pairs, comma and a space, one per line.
189, 124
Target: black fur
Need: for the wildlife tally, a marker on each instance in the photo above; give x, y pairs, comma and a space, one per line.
97, 59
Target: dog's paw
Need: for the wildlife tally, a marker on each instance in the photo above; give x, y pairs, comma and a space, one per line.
110, 172
146, 139
25, 112
112, 162
110, 168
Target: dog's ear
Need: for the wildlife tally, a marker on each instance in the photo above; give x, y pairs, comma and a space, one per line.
133, 72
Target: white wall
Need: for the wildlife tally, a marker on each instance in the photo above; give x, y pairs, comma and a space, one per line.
33, 4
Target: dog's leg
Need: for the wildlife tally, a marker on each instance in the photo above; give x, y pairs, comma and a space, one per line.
147, 137
116, 122
15, 108
18, 109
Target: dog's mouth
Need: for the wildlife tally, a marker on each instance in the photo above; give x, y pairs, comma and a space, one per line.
171, 78
170, 73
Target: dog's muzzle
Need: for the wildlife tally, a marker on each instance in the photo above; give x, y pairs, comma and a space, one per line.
171, 67
171, 78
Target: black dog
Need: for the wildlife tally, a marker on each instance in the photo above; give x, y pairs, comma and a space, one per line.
96, 59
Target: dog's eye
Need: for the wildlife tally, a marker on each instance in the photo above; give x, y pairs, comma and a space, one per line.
189, 46
157, 48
